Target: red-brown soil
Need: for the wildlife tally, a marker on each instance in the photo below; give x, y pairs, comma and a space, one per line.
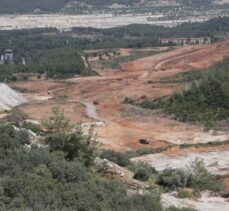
126, 124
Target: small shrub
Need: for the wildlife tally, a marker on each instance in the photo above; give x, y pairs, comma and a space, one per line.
33, 127
184, 193
201, 178
128, 100
134, 166
142, 174
116, 157
170, 179
195, 176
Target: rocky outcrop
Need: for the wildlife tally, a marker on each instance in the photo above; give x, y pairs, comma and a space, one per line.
115, 171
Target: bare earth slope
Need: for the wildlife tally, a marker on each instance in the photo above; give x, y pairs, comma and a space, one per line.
9, 98
126, 124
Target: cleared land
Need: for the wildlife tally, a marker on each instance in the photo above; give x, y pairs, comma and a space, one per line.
126, 124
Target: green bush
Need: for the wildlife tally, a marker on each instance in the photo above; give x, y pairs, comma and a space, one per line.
128, 100
134, 166
170, 179
182, 193
195, 176
33, 127
200, 178
116, 157
141, 174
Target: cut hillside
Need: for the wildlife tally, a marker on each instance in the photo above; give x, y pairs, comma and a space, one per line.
9, 98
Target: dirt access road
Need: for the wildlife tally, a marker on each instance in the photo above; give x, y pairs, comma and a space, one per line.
126, 124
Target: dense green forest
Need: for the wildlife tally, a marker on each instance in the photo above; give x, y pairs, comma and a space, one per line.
52, 63
58, 63
206, 101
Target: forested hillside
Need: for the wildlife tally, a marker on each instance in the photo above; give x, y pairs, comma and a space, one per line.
53, 63
18, 6
207, 100
59, 176
25, 6
147, 35
28, 6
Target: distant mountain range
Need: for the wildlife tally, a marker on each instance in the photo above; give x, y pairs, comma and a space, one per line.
28, 6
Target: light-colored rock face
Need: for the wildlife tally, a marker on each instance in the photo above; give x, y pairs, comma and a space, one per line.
66, 22
216, 162
9, 98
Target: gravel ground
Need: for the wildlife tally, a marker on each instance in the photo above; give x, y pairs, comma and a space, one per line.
216, 162
204, 203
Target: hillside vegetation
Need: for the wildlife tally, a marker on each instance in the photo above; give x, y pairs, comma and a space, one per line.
60, 176
205, 101
58, 63
143, 35
54, 63
59, 173
26, 6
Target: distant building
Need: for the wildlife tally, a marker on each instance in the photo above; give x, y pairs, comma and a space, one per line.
8, 56
185, 41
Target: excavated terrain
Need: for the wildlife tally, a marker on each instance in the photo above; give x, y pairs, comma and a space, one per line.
124, 124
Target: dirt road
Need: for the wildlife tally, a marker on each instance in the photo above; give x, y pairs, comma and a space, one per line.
90, 110
127, 124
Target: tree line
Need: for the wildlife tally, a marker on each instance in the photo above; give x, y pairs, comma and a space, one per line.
206, 101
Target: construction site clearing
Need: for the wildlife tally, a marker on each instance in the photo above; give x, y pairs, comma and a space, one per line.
98, 101
121, 125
